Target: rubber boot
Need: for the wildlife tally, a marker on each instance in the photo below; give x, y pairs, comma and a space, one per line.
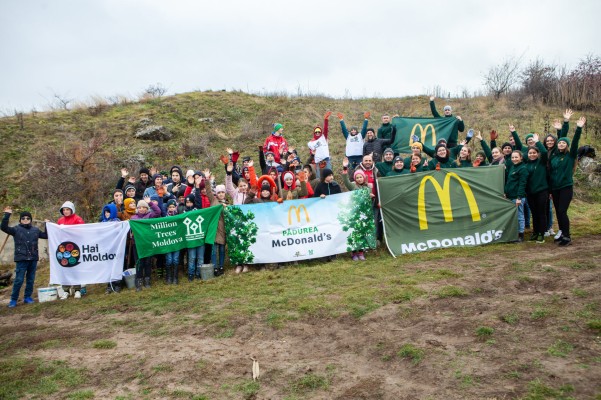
146, 281
174, 271
168, 276
138, 284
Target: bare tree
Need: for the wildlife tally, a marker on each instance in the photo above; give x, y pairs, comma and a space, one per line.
62, 101
539, 80
500, 78
155, 91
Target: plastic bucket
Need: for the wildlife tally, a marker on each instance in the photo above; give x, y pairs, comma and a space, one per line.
129, 275
207, 272
47, 294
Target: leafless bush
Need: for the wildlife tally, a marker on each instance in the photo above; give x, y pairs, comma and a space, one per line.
501, 78
155, 91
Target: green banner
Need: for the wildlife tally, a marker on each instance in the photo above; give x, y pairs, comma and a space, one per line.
446, 208
183, 231
428, 130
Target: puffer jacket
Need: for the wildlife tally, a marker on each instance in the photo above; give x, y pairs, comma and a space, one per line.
26, 239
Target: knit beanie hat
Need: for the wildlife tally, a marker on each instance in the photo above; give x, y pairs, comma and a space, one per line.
442, 140
155, 176
564, 139
190, 198
481, 154
189, 172
117, 191
154, 197
128, 201
171, 202
25, 214
265, 186
506, 144
129, 187
325, 173
388, 150
418, 144
447, 107
398, 158
528, 136
277, 127
288, 174
142, 203
220, 188
144, 170
358, 172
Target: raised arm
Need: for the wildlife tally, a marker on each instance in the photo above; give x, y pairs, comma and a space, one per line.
365, 122
516, 138
433, 108
326, 122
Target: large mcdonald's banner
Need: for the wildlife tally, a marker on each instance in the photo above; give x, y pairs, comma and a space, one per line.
299, 229
428, 130
183, 231
446, 208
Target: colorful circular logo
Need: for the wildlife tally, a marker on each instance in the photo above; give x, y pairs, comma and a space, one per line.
67, 254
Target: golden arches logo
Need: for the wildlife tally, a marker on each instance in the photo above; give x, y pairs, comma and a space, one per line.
297, 211
422, 133
444, 195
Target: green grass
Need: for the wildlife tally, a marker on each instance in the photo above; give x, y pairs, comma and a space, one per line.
310, 382
537, 390
511, 318
594, 324
484, 332
248, 388
560, 349
81, 395
104, 344
540, 313
412, 353
451, 291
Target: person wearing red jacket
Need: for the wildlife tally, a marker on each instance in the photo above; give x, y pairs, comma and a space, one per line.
70, 218
276, 142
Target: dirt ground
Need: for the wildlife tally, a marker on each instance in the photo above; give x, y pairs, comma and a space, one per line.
537, 302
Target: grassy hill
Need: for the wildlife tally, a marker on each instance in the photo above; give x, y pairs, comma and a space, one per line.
53, 156
495, 322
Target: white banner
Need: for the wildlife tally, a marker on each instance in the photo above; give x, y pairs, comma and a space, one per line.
86, 254
300, 229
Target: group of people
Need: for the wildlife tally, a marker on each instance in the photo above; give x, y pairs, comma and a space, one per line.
537, 174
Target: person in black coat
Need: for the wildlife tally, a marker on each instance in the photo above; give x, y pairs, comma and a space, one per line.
328, 185
26, 238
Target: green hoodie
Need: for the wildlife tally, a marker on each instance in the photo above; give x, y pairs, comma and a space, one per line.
384, 167
537, 172
515, 186
563, 163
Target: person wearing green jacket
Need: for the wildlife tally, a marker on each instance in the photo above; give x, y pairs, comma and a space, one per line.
537, 188
385, 130
416, 149
385, 166
515, 188
562, 166
464, 159
398, 167
448, 113
441, 159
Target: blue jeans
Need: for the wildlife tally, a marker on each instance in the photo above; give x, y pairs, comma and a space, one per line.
318, 170
23, 269
172, 258
521, 219
526, 213
195, 260
550, 218
221, 249
353, 162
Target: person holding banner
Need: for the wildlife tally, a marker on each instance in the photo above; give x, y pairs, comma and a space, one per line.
562, 166
146, 209
218, 250
26, 237
448, 113
515, 188
385, 130
441, 158
110, 214
290, 188
70, 218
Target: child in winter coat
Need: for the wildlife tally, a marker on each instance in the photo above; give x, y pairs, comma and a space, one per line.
70, 218
110, 214
328, 185
218, 253
146, 209
26, 258
290, 189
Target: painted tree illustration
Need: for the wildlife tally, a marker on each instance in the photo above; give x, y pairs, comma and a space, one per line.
241, 233
358, 218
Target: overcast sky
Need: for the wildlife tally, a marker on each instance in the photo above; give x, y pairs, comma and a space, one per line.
78, 48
